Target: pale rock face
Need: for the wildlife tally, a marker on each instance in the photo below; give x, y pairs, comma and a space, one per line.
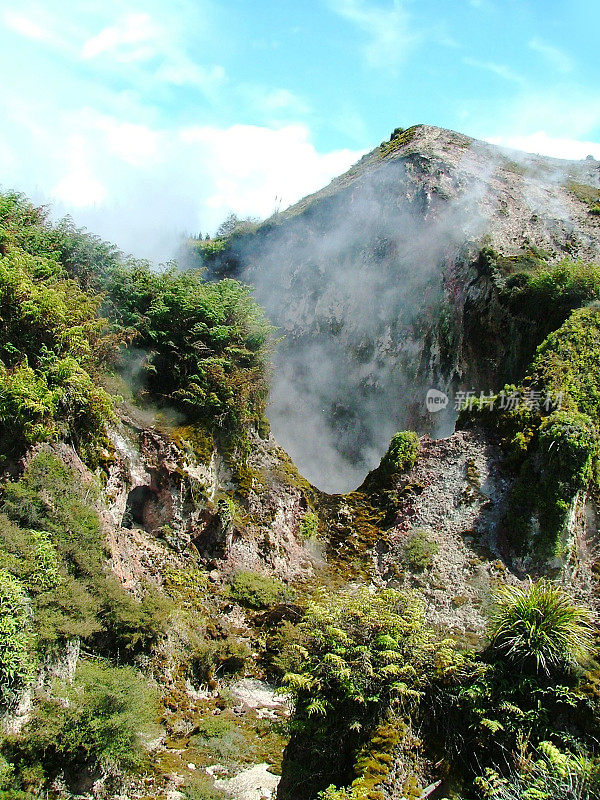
254, 783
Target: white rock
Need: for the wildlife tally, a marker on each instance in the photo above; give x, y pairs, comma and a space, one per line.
251, 784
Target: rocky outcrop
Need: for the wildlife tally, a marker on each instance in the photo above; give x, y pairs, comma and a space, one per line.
163, 500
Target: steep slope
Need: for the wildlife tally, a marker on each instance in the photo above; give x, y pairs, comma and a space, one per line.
357, 276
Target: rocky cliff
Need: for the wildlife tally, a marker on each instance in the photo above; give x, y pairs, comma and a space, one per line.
359, 276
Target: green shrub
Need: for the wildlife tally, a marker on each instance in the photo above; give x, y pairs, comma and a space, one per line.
98, 722
53, 542
53, 345
6, 773
16, 665
401, 454
220, 739
16, 794
568, 445
202, 787
308, 527
207, 343
540, 626
554, 452
284, 650
256, 591
30, 555
400, 457
487, 712
419, 550
548, 774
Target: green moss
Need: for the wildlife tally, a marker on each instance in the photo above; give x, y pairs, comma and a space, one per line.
399, 138
354, 525
400, 457
555, 452
200, 439
287, 472
255, 591
249, 480
308, 527
590, 195
375, 760
419, 550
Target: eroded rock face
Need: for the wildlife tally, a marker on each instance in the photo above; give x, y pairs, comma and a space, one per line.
162, 501
456, 498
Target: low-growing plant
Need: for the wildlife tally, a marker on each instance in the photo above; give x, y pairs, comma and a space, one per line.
202, 787
400, 457
546, 774
98, 722
419, 550
220, 738
401, 454
16, 639
256, 591
51, 539
363, 661
308, 527
540, 626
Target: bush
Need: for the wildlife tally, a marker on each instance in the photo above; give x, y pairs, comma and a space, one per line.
401, 454
419, 550
541, 627
252, 590
53, 542
400, 457
53, 343
207, 343
202, 787
97, 723
363, 657
221, 739
554, 451
308, 527
548, 774
16, 665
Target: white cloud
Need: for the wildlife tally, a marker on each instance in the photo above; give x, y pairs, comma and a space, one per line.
275, 104
558, 59
135, 37
141, 186
182, 72
388, 29
545, 145
79, 187
251, 166
26, 27
567, 110
152, 52
501, 70
134, 144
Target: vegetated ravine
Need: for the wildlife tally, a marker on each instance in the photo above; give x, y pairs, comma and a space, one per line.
185, 616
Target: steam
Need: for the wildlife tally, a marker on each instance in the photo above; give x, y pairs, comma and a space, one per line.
352, 285
354, 280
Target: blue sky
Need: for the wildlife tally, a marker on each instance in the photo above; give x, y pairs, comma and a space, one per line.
147, 119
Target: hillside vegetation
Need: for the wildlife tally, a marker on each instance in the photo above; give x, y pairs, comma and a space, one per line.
123, 644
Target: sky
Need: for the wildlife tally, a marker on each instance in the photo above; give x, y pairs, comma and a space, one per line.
146, 121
